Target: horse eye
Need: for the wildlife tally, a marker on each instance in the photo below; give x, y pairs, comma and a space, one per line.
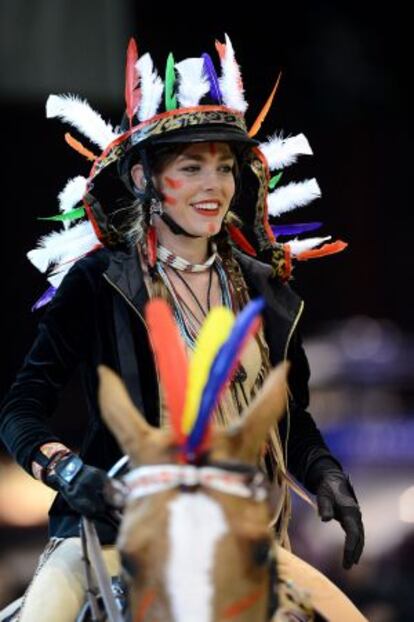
261, 552
129, 565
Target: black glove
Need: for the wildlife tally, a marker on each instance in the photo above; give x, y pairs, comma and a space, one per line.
81, 485
336, 499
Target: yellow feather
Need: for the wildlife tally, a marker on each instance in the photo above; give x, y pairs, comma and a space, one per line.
214, 332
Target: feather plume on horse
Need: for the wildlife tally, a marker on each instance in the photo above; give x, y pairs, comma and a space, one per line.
195, 531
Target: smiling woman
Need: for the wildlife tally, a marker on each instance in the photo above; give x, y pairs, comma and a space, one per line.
197, 187
176, 205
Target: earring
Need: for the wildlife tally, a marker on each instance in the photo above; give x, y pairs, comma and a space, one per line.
156, 207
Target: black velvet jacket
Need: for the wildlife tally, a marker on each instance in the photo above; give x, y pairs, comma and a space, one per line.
96, 318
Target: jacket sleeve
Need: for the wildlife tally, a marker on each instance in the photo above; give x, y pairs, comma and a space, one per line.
61, 341
299, 432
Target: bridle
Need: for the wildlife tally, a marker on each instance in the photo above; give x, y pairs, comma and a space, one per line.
231, 478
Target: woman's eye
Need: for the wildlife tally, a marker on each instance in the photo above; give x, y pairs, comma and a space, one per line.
226, 168
191, 168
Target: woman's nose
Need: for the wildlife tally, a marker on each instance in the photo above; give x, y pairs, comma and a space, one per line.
211, 179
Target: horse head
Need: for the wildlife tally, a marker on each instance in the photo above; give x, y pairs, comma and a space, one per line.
195, 541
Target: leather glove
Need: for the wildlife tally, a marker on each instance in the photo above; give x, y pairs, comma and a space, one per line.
82, 486
336, 499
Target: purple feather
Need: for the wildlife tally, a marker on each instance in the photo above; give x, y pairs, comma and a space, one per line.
211, 75
295, 229
45, 298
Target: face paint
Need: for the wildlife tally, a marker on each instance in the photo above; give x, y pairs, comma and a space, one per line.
169, 199
173, 183
212, 147
211, 228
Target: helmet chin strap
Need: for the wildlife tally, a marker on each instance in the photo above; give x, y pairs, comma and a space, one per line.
175, 227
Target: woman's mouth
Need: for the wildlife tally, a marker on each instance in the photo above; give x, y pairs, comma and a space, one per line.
207, 208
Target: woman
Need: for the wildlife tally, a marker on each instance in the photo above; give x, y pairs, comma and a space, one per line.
198, 185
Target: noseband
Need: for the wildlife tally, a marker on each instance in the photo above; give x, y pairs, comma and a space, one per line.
236, 480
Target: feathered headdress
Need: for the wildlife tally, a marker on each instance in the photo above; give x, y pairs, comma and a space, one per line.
198, 105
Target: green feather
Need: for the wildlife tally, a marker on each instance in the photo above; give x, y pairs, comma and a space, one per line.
78, 212
170, 99
275, 180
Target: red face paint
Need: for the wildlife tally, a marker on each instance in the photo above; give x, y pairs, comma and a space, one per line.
211, 228
173, 183
212, 147
169, 199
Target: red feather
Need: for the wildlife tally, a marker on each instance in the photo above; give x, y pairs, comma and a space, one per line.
221, 49
132, 93
171, 359
152, 245
237, 237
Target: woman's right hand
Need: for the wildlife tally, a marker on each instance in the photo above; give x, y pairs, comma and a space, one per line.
82, 486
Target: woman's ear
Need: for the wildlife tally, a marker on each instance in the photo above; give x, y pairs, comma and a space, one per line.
137, 175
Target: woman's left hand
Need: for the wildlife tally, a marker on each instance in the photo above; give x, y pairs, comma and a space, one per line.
336, 499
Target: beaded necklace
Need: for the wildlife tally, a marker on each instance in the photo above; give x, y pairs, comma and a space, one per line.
188, 324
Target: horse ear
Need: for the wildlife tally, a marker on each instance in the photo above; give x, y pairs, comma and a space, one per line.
121, 416
245, 440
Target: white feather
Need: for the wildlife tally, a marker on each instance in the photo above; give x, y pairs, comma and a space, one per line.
193, 82
231, 85
151, 88
79, 114
300, 246
56, 279
293, 195
71, 195
62, 246
281, 152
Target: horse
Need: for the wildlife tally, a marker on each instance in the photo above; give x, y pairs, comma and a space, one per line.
194, 541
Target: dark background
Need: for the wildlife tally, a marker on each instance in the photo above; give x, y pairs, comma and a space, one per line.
346, 84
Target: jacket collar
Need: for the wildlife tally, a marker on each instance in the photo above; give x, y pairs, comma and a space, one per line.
279, 296
125, 272
282, 311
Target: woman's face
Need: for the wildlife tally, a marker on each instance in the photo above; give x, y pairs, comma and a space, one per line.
198, 186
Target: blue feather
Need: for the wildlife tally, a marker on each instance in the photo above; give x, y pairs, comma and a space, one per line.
45, 298
295, 229
221, 368
209, 70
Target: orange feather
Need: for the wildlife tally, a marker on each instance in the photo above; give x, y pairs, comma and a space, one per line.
77, 146
263, 113
326, 249
171, 359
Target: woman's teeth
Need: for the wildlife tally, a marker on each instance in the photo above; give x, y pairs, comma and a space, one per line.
206, 206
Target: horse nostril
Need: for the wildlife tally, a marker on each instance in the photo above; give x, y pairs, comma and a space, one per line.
189, 487
261, 552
